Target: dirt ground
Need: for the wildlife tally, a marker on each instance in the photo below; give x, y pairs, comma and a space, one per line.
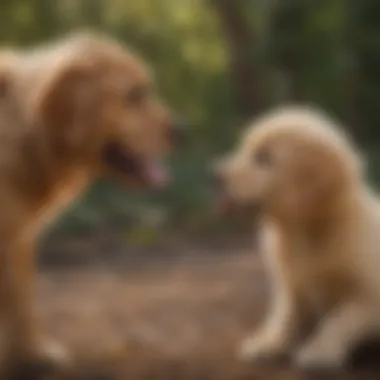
168, 319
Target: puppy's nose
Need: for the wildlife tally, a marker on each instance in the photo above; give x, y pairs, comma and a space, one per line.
179, 132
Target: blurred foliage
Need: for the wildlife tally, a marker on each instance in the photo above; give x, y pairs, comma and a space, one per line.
218, 62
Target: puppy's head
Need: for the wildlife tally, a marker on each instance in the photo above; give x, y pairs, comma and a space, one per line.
292, 162
98, 102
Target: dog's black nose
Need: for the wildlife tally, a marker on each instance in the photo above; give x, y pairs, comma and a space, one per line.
180, 132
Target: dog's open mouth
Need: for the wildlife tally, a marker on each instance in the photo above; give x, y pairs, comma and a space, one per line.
150, 171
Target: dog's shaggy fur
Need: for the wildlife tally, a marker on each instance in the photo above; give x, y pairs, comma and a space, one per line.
320, 235
71, 111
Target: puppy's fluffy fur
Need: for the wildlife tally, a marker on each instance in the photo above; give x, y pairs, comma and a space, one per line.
320, 235
71, 111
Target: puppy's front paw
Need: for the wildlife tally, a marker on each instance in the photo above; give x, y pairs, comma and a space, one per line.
47, 359
262, 348
318, 359
55, 353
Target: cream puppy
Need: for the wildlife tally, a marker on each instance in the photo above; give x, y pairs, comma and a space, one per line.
320, 236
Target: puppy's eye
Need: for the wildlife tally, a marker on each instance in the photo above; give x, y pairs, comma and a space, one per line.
262, 157
136, 96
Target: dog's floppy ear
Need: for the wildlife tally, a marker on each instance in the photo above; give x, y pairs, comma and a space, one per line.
320, 176
65, 100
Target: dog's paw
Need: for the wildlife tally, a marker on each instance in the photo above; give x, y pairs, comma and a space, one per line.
262, 349
55, 352
46, 360
318, 359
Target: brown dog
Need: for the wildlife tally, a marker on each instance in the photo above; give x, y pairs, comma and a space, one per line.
319, 236
70, 112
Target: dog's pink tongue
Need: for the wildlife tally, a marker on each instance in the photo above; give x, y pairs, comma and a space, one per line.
156, 173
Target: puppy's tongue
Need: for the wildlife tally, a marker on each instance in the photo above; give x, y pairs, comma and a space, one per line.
156, 173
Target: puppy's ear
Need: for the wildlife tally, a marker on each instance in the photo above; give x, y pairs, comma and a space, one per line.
65, 101
320, 177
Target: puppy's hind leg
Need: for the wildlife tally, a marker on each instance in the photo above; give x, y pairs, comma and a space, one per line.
329, 345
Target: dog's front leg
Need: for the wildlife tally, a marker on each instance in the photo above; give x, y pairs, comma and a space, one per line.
25, 351
280, 331
289, 318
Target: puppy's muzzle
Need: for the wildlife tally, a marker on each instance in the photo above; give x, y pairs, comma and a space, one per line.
218, 175
217, 180
223, 203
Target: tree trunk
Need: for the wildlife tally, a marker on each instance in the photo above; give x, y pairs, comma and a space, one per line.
246, 76
287, 27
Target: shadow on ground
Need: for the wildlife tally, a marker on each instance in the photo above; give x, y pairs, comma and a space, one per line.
168, 319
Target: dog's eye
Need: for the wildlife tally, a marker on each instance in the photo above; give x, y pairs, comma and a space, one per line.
262, 157
137, 95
